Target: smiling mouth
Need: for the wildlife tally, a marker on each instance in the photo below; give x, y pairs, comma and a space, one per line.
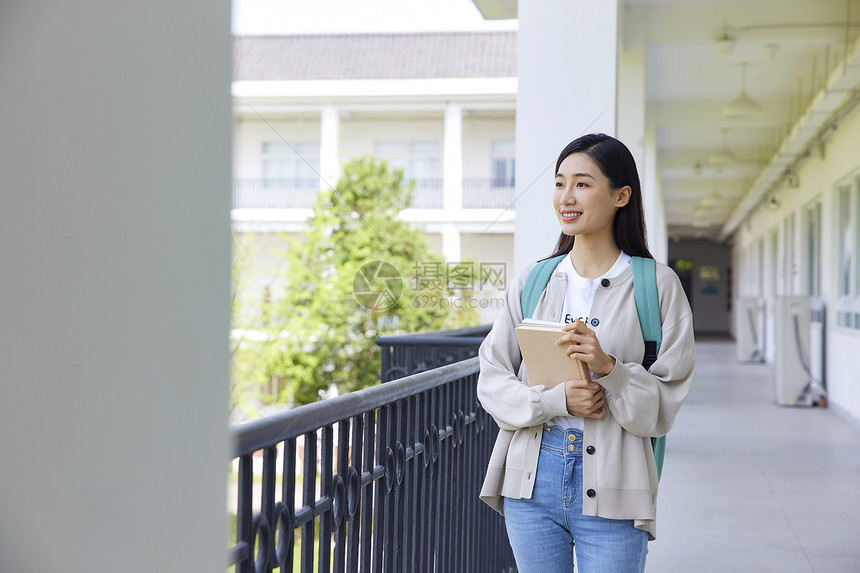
568, 216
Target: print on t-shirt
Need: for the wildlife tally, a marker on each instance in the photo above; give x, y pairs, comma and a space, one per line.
592, 322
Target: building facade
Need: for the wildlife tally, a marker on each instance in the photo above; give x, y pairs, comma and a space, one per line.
305, 105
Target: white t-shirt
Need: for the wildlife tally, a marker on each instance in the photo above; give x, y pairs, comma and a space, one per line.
577, 304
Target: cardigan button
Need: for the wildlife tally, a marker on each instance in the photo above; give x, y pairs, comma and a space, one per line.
591, 493
590, 449
604, 282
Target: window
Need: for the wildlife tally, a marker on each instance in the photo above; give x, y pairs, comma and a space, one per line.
298, 160
503, 163
773, 262
420, 160
845, 240
759, 267
788, 263
812, 264
847, 245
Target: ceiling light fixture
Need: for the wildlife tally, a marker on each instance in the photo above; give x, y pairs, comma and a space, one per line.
742, 106
716, 201
723, 156
725, 43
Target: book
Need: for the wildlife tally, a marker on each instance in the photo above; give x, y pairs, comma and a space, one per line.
546, 363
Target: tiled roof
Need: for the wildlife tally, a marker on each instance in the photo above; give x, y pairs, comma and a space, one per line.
376, 56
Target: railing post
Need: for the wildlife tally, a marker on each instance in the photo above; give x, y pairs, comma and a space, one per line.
342, 465
354, 489
309, 491
326, 455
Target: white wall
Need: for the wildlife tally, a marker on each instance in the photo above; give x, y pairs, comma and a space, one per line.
116, 278
263, 263
478, 136
358, 136
819, 177
250, 134
490, 249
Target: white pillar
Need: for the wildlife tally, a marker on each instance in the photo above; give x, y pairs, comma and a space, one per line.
329, 146
453, 158
566, 68
630, 113
115, 242
451, 243
652, 196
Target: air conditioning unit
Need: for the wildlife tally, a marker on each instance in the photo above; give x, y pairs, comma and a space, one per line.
792, 373
818, 348
749, 329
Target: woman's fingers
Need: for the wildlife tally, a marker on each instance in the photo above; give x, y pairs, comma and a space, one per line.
585, 398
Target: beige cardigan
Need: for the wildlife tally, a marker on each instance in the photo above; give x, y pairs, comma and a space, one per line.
621, 470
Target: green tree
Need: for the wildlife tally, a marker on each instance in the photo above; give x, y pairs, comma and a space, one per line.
355, 276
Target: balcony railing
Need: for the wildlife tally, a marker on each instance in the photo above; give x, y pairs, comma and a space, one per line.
255, 193
428, 193
384, 479
412, 353
488, 193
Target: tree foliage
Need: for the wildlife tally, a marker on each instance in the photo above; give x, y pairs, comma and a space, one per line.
358, 273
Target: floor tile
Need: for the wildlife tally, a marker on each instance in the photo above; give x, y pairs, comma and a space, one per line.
750, 486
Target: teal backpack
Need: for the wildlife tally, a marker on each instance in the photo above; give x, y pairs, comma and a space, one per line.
647, 306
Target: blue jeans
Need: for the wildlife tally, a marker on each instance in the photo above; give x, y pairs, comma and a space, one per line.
542, 530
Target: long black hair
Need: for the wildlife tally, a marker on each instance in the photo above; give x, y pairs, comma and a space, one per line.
617, 164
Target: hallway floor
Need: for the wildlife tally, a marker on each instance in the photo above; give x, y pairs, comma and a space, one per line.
749, 486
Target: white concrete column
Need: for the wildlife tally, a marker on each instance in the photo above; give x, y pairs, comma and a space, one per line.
115, 242
632, 117
451, 243
566, 68
630, 112
652, 196
329, 146
453, 159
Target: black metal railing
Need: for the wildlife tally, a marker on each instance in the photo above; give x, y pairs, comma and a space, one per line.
385, 479
272, 193
416, 352
488, 193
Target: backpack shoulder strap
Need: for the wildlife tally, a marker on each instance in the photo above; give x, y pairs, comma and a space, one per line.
647, 306
648, 309
536, 284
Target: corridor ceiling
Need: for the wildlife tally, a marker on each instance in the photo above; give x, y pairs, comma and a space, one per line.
793, 52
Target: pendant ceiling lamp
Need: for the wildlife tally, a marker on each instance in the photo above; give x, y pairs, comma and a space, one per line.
714, 200
742, 106
723, 156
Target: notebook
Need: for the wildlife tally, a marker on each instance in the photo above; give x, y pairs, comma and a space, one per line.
546, 363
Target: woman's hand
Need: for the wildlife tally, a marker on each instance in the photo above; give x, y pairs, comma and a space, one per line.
583, 345
585, 398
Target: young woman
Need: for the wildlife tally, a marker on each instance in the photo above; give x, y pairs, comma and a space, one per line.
573, 464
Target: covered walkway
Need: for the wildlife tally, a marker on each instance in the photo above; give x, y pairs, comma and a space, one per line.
749, 486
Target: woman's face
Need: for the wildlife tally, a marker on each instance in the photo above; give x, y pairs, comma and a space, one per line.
584, 201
